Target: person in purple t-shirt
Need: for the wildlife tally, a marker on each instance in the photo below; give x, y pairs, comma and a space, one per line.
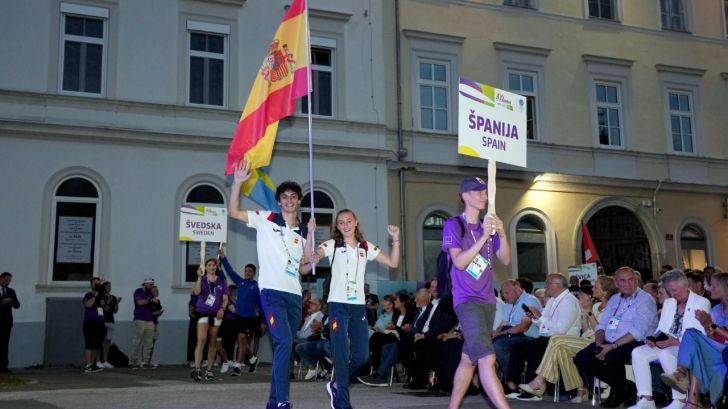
471, 245
212, 300
143, 340
94, 325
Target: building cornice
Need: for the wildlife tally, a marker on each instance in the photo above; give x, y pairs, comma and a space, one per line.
523, 49
237, 3
600, 59
429, 36
329, 15
92, 134
697, 72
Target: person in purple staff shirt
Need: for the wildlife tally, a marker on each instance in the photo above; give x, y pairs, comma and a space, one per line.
212, 300
471, 245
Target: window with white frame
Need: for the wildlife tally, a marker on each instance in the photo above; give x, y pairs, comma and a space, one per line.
673, 15
325, 210
524, 83
522, 71
693, 247
200, 195
83, 48
207, 48
531, 4
322, 81
604, 9
681, 121
434, 89
76, 215
609, 108
531, 248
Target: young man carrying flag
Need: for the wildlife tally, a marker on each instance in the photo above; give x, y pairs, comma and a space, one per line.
283, 77
280, 242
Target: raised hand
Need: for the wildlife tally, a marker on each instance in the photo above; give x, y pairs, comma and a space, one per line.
242, 171
393, 232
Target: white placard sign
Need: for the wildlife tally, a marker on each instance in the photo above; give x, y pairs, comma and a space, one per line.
74, 239
586, 271
202, 223
491, 123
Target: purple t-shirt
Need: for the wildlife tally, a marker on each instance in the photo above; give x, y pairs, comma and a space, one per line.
465, 287
96, 311
216, 289
142, 312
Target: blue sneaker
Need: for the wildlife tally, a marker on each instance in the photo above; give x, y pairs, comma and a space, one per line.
285, 405
333, 393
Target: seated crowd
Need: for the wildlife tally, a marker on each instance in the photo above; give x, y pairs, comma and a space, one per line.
612, 330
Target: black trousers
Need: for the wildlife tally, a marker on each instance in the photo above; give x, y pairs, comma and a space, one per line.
611, 370
452, 350
427, 355
4, 344
526, 354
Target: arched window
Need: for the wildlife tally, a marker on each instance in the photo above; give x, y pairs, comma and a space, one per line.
531, 251
76, 215
694, 247
201, 195
432, 242
325, 213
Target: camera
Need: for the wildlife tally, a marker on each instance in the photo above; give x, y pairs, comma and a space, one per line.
100, 289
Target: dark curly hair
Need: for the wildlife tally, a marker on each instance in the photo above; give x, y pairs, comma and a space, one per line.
288, 185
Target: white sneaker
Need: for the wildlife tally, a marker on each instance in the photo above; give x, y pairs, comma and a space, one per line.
225, 366
644, 404
311, 374
253, 359
106, 365
675, 404
236, 365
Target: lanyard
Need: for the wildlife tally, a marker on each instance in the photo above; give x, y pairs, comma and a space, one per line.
629, 305
285, 245
356, 254
211, 287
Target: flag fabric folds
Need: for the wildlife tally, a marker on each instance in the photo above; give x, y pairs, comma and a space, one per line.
281, 79
590, 252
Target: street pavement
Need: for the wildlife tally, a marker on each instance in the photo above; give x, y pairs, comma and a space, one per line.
171, 387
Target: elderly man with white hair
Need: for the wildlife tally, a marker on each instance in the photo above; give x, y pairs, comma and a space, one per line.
678, 314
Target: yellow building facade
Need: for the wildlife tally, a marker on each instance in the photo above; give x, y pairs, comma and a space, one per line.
628, 119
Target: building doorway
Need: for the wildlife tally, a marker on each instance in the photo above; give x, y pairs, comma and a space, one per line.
620, 240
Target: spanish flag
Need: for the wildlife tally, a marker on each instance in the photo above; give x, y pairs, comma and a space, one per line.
282, 79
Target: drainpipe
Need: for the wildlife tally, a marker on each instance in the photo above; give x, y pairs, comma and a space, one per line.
401, 150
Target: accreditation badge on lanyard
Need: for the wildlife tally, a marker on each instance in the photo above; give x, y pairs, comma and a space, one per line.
477, 267
351, 290
293, 261
210, 301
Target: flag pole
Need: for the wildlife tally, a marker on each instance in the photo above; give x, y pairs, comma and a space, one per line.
310, 137
491, 189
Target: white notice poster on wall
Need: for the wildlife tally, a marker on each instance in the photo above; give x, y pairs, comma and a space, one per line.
74, 239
